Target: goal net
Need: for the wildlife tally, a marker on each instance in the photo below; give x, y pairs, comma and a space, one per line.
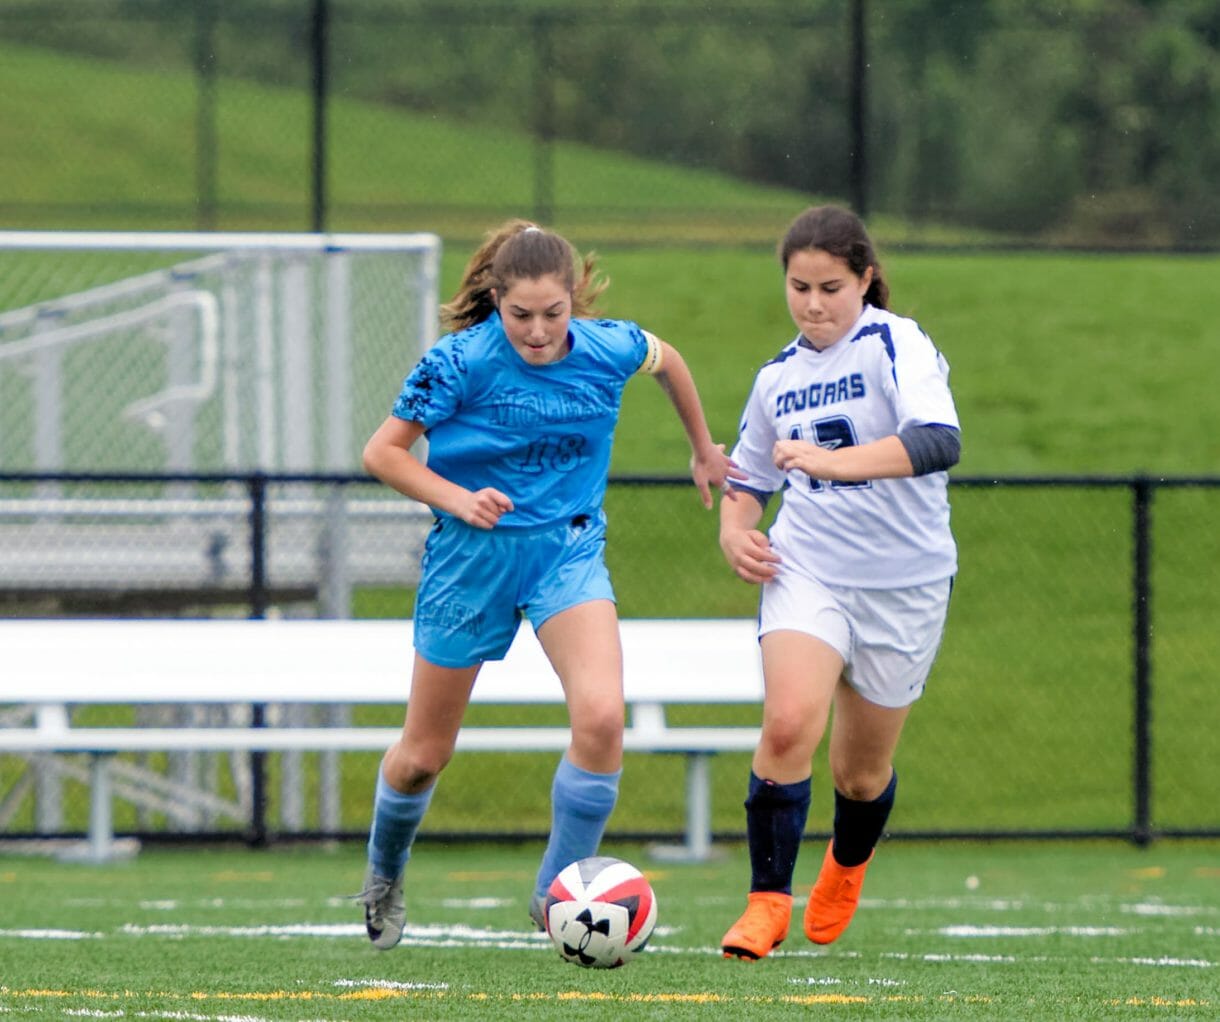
231, 352
203, 353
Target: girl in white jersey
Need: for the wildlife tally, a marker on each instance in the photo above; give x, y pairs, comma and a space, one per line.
519, 403
854, 422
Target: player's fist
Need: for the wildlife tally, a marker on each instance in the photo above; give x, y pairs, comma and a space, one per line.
483, 508
801, 456
749, 554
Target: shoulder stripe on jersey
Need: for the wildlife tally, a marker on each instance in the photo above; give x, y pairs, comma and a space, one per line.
783, 356
882, 330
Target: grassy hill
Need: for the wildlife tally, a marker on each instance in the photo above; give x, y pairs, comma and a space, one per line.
1061, 363
116, 147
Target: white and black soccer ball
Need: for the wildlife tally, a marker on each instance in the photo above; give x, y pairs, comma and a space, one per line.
600, 912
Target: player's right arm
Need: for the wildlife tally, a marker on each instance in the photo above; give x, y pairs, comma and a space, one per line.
745, 547
743, 544
387, 455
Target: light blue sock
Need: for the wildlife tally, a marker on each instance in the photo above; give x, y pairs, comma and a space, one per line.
581, 803
396, 818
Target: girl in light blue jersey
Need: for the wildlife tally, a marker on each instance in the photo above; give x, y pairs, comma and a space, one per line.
854, 424
519, 403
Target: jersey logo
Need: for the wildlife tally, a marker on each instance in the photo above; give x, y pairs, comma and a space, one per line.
427, 386
818, 395
517, 408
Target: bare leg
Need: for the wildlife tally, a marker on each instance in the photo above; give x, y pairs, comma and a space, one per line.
583, 645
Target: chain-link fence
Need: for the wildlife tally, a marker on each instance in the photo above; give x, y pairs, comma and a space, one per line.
944, 121
1073, 694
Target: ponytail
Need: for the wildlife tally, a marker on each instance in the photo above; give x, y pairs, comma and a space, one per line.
519, 250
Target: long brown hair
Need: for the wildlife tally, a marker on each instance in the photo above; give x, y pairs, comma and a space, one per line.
840, 233
520, 250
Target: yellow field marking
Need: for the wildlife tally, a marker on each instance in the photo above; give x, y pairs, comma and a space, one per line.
1207, 872
1147, 873
388, 993
8, 878
1159, 1002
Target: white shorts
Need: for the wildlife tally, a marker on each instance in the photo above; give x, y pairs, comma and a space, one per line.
888, 638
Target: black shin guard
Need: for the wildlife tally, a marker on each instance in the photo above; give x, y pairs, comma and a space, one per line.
775, 823
858, 825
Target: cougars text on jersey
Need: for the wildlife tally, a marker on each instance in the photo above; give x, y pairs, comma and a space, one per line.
820, 394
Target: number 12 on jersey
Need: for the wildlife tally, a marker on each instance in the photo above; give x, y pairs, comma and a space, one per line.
832, 433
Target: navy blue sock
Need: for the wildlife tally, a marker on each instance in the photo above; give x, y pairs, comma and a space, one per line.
775, 823
858, 825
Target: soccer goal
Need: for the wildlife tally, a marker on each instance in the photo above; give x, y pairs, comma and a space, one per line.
204, 353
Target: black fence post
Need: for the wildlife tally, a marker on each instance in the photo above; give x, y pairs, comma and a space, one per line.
258, 610
207, 140
858, 108
544, 126
1141, 825
319, 40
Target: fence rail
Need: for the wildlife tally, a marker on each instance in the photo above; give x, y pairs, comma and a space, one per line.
1074, 695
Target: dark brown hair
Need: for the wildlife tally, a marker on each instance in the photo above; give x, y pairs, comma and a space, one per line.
520, 250
840, 233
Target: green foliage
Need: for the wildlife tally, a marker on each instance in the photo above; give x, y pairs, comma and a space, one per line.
1079, 121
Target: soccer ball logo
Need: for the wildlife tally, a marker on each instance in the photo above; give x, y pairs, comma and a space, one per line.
600, 912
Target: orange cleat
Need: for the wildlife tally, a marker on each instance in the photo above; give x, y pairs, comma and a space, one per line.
834, 898
762, 927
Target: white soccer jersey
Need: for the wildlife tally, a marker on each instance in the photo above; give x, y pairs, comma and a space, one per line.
883, 376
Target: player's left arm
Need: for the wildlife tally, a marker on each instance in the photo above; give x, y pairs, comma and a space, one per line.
709, 466
928, 438
913, 451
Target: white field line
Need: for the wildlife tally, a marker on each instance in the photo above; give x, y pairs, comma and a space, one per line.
50, 935
972, 930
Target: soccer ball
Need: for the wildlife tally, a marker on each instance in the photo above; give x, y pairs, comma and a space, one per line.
600, 912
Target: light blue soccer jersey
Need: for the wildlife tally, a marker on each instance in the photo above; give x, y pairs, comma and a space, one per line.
540, 434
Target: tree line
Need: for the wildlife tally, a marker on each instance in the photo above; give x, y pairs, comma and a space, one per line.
1061, 120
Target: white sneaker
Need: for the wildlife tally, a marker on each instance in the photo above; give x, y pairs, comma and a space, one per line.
385, 915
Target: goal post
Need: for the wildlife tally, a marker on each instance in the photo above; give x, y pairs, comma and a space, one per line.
185, 353
240, 352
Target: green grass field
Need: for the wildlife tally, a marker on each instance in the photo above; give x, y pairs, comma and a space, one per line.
1062, 363
945, 931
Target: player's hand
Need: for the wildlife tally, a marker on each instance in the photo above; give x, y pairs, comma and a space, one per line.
712, 467
801, 455
483, 508
749, 554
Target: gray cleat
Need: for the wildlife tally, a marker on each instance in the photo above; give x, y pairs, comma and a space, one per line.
384, 912
538, 911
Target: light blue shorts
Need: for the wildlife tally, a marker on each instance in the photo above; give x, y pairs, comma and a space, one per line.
477, 584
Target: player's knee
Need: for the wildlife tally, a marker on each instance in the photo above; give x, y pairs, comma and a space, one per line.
861, 782
598, 731
787, 739
412, 769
